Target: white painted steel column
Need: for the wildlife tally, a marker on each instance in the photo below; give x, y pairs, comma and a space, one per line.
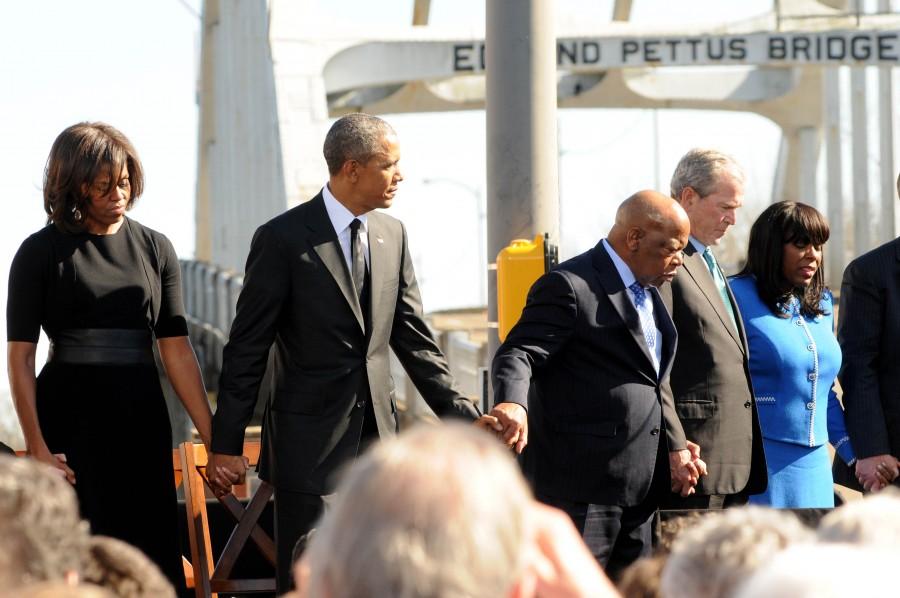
522, 179
886, 145
808, 139
862, 220
835, 253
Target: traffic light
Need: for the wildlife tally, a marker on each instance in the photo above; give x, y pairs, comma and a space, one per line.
519, 264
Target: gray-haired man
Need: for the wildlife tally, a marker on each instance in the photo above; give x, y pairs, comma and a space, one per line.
710, 381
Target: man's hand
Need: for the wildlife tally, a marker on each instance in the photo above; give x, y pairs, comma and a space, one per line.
514, 420
874, 473
223, 471
489, 423
699, 463
685, 469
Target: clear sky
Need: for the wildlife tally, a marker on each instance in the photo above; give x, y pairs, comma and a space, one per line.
133, 63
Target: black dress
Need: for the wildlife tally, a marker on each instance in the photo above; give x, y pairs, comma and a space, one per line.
110, 421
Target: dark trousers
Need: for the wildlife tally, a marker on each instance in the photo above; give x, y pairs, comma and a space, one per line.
297, 512
616, 536
706, 502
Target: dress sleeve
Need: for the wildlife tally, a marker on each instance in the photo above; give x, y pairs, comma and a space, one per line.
171, 321
27, 293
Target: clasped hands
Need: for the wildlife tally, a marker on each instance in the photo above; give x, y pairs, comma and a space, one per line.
686, 467
876, 472
223, 471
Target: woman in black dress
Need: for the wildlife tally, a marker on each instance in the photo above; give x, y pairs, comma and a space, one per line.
102, 286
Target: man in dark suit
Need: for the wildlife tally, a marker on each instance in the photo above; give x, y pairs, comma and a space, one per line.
868, 331
710, 383
595, 345
331, 284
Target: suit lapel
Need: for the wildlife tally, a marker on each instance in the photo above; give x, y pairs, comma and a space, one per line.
618, 296
667, 331
377, 264
325, 243
696, 267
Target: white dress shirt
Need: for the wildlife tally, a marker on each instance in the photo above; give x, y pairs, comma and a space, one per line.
341, 218
628, 279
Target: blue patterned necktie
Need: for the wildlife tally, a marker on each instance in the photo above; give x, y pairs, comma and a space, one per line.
710, 260
647, 323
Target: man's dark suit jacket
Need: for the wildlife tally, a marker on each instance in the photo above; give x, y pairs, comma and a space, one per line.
869, 334
710, 383
298, 294
595, 408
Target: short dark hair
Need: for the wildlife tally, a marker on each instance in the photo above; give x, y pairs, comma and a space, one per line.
79, 155
357, 136
781, 223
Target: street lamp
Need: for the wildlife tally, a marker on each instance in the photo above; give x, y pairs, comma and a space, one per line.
480, 219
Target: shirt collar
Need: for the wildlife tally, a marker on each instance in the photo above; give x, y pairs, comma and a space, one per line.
339, 215
700, 247
625, 272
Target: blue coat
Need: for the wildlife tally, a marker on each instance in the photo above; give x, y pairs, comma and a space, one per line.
794, 362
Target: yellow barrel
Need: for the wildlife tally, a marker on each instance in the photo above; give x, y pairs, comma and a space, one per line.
519, 264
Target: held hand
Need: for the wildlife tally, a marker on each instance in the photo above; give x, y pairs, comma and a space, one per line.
489, 423
55, 460
684, 472
514, 420
877, 472
699, 463
223, 471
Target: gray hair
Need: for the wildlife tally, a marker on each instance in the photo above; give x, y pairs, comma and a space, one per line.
874, 520
823, 571
714, 556
42, 536
437, 513
357, 136
124, 570
700, 169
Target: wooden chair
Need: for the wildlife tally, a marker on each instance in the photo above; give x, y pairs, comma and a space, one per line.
207, 578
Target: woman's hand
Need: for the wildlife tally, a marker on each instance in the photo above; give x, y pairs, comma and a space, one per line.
54, 460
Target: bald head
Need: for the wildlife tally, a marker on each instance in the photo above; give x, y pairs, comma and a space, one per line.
649, 209
649, 234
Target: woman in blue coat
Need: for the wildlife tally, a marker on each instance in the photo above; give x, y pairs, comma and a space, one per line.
794, 356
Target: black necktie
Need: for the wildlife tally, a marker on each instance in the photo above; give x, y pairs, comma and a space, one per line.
357, 259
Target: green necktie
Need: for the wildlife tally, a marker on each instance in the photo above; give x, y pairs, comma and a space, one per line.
710, 260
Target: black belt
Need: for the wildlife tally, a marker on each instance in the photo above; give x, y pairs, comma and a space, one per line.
102, 346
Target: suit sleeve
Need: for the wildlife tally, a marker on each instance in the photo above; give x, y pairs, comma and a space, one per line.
859, 334
265, 291
416, 349
547, 323
674, 430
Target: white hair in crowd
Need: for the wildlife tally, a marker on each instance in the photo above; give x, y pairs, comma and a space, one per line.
42, 536
709, 559
438, 512
824, 571
874, 520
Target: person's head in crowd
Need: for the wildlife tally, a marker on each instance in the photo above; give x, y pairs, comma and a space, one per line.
124, 570
438, 512
42, 536
92, 175
873, 521
649, 235
823, 571
709, 185
641, 579
671, 527
785, 256
58, 589
711, 558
